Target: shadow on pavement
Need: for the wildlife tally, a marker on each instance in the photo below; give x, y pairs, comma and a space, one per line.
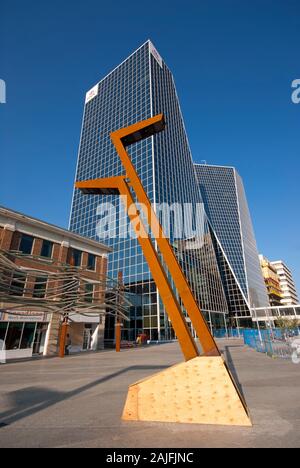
31, 400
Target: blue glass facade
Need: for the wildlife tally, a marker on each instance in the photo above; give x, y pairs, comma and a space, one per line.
227, 209
139, 88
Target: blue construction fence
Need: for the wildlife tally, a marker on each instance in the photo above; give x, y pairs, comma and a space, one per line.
275, 342
252, 335
273, 334
229, 333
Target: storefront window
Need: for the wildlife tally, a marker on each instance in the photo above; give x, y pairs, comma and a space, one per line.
28, 335
13, 335
25, 335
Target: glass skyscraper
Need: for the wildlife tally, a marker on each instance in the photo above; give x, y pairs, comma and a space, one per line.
227, 209
139, 88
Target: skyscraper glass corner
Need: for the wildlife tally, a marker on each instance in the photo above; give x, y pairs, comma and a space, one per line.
227, 209
139, 88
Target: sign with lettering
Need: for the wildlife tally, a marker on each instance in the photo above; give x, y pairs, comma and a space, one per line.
92, 93
24, 316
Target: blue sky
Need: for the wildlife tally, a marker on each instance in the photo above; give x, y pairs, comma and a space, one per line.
233, 62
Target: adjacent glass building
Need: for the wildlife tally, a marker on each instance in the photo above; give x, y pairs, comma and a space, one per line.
226, 206
140, 87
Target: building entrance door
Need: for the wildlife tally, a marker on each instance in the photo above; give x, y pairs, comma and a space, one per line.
39, 340
87, 339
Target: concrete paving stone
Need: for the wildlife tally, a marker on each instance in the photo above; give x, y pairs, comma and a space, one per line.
78, 401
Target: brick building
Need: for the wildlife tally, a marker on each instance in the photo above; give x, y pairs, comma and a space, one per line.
34, 245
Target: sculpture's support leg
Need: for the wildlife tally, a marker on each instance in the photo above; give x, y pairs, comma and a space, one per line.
198, 391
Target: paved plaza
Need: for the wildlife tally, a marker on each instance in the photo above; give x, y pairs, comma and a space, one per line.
78, 401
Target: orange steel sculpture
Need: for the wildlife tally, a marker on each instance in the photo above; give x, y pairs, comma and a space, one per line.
210, 362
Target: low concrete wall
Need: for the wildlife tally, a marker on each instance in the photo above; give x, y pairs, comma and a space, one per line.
17, 354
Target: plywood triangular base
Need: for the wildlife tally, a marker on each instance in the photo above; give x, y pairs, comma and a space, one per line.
199, 391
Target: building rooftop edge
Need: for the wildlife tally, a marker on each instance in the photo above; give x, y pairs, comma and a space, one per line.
214, 165
59, 230
281, 262
148, 41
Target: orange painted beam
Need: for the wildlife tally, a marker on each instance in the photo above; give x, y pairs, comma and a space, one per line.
125, 137
119, 140
108, 186
186, 341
